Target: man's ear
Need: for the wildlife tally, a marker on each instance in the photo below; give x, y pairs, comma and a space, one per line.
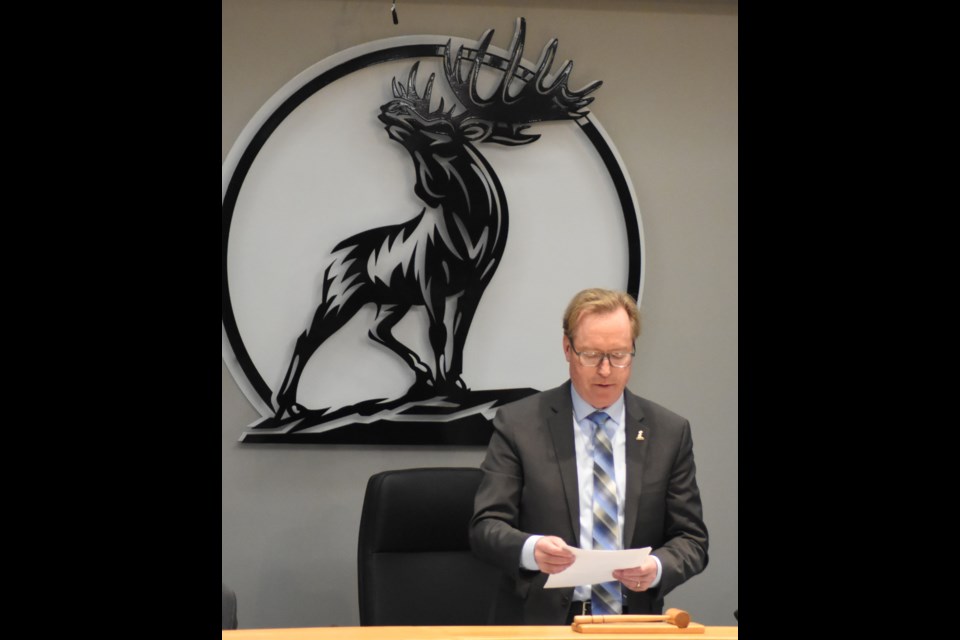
566, 348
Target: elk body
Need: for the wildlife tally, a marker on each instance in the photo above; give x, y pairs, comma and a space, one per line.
453, 247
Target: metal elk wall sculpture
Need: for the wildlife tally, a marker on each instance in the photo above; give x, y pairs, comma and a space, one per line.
444, 256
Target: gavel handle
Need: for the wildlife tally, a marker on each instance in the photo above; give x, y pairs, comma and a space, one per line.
620, 618
676, 617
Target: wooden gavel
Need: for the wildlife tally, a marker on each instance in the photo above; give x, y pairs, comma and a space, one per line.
677, 617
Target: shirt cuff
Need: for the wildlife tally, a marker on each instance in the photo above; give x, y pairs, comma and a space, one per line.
656, 580
527, 558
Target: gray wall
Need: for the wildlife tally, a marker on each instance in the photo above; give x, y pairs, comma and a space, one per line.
290, 514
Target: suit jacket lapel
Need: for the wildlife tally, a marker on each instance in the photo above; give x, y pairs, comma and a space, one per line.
560, 426
636, 454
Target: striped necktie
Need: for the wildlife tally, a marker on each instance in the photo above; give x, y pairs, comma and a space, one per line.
606, 597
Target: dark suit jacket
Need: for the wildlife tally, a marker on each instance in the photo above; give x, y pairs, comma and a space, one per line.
530, 487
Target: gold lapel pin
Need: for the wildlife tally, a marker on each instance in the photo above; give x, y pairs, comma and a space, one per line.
640, 434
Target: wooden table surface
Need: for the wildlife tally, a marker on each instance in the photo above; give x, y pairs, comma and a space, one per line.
467, 633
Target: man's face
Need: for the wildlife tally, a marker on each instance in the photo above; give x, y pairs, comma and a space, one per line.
601, 385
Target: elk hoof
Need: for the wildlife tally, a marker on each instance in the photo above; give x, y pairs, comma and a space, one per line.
294, 410
452, 387
456, 387
422, 388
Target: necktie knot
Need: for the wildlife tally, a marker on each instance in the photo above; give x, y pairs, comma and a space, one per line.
600, 419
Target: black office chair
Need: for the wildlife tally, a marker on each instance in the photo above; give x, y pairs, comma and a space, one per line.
228, 608
414, 561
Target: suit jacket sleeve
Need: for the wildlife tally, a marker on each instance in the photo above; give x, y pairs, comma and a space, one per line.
494, 528
684, 550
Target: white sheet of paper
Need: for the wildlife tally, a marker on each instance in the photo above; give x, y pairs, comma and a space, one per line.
593, 567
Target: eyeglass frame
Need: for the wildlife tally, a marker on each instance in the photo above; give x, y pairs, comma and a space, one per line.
604, 355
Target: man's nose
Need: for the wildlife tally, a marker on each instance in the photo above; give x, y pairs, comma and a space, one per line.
604, 367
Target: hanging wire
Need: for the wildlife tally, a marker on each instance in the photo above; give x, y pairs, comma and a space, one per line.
393, 12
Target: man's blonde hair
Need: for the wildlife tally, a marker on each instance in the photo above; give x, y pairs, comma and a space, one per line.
600, 301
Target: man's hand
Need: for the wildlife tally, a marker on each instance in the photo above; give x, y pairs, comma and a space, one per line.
553, 555
638, 578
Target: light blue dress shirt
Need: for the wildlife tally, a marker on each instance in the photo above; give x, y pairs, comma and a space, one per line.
583, 443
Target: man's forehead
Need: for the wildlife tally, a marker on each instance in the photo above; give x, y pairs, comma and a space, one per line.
588, 315
583, 331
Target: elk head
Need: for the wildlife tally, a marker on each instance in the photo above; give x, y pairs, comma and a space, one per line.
438, 140
408, 114
432, 138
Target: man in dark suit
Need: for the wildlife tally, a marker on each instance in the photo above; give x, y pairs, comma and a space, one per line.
541, 474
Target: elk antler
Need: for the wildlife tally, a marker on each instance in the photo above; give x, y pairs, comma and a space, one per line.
536, 100
409, 93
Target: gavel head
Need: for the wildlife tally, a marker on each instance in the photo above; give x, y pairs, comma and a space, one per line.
678, 618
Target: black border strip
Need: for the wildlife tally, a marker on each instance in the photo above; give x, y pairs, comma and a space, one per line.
626, 203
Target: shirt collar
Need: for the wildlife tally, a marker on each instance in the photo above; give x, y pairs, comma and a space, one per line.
581, 408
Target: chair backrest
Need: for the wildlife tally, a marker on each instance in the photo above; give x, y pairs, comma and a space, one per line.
415, 566
228, 608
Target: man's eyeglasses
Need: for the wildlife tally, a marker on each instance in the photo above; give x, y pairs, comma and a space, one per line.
617, 359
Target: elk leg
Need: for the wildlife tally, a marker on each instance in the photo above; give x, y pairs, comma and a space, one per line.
436, 308
327, 320
463, 317
382, 332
